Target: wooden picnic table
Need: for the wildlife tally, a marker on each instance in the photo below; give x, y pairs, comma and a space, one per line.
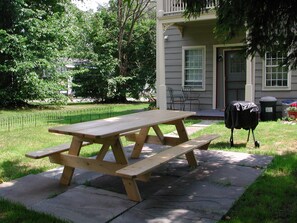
108, 132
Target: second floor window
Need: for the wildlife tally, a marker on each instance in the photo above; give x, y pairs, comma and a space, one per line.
194, 67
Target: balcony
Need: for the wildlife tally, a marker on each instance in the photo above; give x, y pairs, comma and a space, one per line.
172, 7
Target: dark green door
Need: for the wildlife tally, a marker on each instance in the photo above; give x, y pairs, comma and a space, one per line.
235, 76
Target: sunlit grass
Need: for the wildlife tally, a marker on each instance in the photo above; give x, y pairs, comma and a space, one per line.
272, 198
71, 107
15, 213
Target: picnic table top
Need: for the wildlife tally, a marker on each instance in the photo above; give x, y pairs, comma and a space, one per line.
120, 124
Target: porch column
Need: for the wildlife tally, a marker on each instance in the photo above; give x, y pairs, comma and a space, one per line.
160, 72
249, 87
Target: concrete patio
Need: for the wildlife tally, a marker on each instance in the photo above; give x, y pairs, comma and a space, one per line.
175, 193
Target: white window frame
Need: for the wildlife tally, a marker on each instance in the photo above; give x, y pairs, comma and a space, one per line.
274, 88
184, 48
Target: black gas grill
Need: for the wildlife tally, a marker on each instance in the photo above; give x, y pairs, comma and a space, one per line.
242, 114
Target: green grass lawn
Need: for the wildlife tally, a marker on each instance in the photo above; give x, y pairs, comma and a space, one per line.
272, 198
14, 144
72, 107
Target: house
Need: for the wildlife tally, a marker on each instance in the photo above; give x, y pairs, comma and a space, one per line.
188, 55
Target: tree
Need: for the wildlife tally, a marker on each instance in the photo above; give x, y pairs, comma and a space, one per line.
94, 49
142, 59
122, 42
31, 38
271, 25
130, 15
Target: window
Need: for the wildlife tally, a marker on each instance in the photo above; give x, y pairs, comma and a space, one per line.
277, 76
194, 67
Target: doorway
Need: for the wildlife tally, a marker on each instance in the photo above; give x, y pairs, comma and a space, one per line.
235, 75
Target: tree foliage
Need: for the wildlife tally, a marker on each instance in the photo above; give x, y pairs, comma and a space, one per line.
94, 49
271, 25
130, 16
113, 50
31, 37
122, 38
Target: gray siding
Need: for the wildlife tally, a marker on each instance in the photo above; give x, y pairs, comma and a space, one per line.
280, 95
194, 34
200, 33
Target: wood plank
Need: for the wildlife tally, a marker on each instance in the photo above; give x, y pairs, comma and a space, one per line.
152, 162
86, 163
140, 140
117, 125
118, 152
208, 137
183, 135
146, 165
130, 132
144, 177
68, 171
52, 150
142, 169
159, 133
168, 140
104, 149
190, 156
132, 189
181, 130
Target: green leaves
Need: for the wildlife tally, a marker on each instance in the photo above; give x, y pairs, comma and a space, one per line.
121, 53
196, 7
30, 44
114, 55
268, 25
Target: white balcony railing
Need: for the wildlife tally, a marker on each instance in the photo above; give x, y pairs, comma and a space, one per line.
173, 6
178, 6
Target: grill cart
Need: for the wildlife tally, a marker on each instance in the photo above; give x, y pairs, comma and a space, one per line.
242, 114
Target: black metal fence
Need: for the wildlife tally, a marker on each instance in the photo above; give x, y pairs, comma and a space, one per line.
58, 117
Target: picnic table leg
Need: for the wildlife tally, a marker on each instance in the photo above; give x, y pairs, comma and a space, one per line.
140, 139
117, 149
68, 171
132, 189
183, 135
104, 149
159, 133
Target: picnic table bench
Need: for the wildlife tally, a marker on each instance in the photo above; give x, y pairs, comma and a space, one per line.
51, 150
108, 132
141, 170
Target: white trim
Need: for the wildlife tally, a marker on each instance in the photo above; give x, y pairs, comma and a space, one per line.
214, 78
160, 67
178, 18
274, 88
250, 79
160, 10
184, 48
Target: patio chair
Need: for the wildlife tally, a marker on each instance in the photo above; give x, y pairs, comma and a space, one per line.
190, 97
175, 98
